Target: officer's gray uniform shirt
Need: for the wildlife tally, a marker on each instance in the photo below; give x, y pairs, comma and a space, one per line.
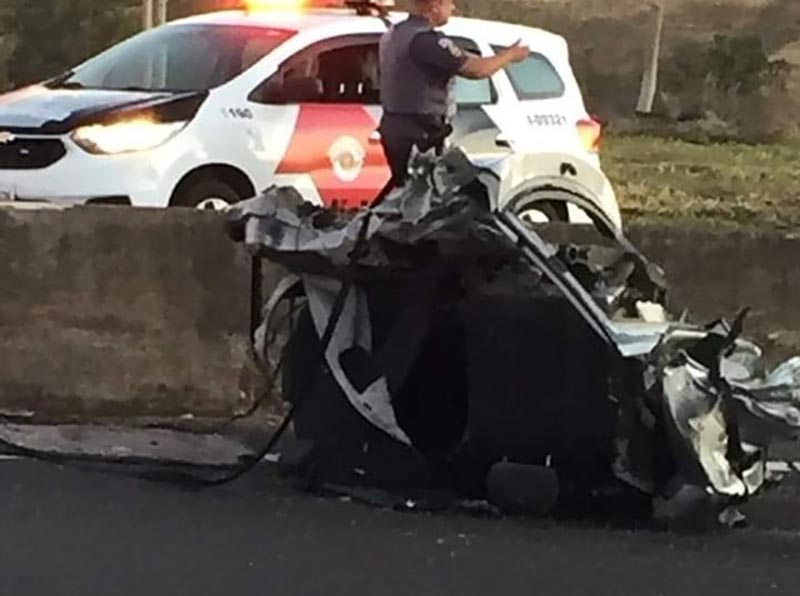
418, 66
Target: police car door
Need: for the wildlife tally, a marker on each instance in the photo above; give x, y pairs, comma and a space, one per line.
332, 87
547, 97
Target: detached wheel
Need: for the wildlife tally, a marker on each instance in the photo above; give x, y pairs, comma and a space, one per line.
523, 489
208, 194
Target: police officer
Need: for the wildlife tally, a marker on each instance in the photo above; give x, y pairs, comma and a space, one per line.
418, 69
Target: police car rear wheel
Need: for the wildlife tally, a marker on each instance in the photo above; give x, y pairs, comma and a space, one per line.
542, 212
213, 204
208, 194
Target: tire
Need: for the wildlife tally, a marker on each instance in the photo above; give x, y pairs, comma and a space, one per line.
523, 489
206, 193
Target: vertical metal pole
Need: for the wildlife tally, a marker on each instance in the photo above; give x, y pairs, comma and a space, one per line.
147, 14
649, 87
161, 13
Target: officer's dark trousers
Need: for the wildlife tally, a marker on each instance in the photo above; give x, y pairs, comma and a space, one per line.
399, 136
398, 153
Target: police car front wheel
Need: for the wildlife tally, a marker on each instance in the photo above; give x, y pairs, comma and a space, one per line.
208, 194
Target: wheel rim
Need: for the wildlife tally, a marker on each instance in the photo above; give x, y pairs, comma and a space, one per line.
213, 204
532, 215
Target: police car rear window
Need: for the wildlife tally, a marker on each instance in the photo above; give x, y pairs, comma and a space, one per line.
535, 78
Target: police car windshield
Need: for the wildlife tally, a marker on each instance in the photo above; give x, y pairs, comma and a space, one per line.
187, 57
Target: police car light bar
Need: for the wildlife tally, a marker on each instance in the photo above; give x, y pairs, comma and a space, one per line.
362, 7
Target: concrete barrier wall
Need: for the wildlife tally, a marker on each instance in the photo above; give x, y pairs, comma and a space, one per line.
108, 312
715, 272
116, 312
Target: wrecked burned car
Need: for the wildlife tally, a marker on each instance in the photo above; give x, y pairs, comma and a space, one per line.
438, 346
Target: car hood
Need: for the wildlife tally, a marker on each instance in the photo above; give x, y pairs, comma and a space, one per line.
39, 109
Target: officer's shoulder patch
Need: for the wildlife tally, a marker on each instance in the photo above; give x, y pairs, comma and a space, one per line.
448, 44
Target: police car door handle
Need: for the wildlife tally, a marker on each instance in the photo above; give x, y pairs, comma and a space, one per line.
375, 137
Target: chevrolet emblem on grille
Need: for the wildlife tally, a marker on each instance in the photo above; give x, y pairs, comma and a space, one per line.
6, 138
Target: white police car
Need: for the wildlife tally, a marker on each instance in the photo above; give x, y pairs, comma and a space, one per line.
208, 110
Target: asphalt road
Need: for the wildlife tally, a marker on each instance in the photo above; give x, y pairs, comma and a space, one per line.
65, 532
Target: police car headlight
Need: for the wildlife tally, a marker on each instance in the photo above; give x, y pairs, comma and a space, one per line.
125, 137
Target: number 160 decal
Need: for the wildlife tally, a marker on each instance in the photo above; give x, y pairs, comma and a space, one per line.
238, 113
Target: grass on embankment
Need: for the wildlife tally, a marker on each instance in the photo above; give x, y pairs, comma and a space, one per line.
658, 178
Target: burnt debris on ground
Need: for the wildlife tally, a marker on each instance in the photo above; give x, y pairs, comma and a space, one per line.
441, 351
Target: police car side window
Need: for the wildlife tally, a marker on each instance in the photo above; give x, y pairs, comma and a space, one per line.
534, 78
343, 70
350, 74
468, 92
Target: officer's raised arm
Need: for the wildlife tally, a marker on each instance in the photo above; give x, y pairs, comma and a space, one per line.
476, 67
438, 53
442, 54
